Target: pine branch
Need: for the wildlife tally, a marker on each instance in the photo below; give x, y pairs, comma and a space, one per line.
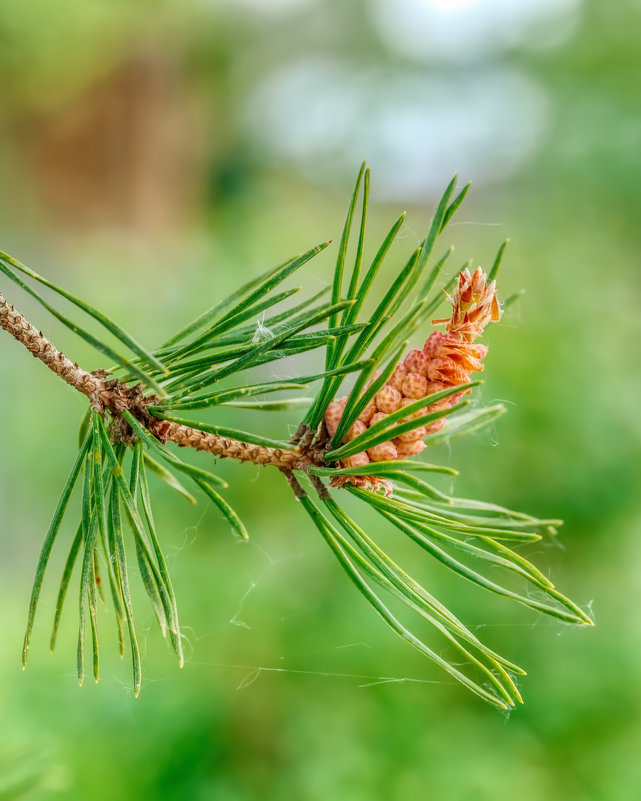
118, 398
398, 404
40, 347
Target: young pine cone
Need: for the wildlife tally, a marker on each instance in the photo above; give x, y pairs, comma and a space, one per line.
445, 361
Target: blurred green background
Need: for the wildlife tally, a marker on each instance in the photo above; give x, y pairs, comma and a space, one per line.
155, 155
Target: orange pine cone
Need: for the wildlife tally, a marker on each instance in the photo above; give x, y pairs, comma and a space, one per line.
446, 360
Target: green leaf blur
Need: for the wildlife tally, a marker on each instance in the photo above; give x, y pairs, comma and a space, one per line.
291, 687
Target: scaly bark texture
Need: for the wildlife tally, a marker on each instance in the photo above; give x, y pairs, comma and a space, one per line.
228, 448
115, 397
40, 347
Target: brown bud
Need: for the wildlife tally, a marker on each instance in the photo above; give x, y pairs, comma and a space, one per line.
432, 344
385, 452
415, 386
357, 460
407, 449
437, 425
398, 376
376, 418
355, 430
366, 415
388, 399
414, 415
411, 436
416, 361
333, 415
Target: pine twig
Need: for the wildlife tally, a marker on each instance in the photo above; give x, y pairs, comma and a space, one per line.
39, 346
117, 397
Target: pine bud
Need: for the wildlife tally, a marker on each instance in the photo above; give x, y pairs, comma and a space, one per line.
406, 449
415, 362
411, 436
385, 452
415, 386
388, 399
358, 428
445, 361
377, 418
357, 460
368, 412
437, 425
414, 415
398, 376
333, 415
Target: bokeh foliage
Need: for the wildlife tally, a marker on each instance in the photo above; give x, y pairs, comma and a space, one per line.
568, 449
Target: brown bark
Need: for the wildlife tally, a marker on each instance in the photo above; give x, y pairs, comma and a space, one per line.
115, 397
40, 347
229, 448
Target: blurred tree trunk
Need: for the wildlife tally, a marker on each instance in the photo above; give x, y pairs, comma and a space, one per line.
124, 153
